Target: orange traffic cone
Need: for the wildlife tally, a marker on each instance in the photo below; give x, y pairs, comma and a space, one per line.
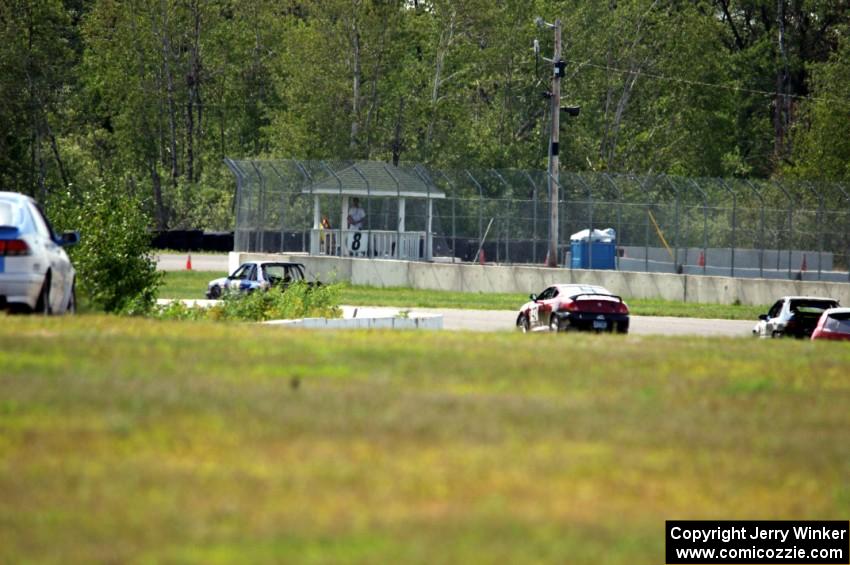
189, 262
804, 266
701, 260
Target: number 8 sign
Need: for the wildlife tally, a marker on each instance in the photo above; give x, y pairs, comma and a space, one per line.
357, 243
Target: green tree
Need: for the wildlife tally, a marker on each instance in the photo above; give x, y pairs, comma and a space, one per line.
822, 144
36, 65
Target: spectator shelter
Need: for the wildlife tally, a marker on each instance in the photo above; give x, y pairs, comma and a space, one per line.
369, 181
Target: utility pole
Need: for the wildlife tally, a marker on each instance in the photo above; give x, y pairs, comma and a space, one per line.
554, 97
553, 148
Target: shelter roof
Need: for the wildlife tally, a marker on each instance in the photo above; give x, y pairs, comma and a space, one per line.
373, 178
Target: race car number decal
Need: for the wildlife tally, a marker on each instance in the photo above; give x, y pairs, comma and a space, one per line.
534, 314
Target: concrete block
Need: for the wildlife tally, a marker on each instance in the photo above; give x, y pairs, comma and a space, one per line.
423, 322
536, 279
710, 290
435, 276
380, 272
486, 278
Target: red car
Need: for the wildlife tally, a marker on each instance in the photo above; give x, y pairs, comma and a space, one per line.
834, 324
565, 307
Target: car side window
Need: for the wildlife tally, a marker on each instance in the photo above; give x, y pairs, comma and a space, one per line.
273, 272
546, 294
252, 276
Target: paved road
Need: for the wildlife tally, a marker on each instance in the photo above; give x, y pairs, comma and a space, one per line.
495, 320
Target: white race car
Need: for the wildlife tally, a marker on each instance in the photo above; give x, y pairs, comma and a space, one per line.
257, 275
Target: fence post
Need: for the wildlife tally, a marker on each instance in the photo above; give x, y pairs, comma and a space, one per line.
704, 224
790, 225
480, 205
846, 231
282, 210
534, 217
589, 221
337, 245
454, 199
454, 233
676, 220
761, 227
819, 222
309, 179
646, 241
399, 211
508, 216
734, 220
429, 215
643, 187
237, 201
260, 238
619, 196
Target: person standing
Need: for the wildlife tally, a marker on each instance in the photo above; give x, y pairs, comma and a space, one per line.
356, 215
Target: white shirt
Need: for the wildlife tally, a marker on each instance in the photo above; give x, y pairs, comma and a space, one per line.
357, 215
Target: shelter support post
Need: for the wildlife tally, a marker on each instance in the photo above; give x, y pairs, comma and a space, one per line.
343, 216
429, 236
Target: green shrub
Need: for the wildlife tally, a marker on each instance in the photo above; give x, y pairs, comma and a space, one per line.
115, 271
298, 300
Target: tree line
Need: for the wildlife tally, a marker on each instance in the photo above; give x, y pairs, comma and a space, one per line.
147, 97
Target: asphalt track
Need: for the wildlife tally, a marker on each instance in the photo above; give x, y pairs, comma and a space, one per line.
495, 320
505, 320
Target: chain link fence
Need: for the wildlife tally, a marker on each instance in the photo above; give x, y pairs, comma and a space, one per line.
727, 227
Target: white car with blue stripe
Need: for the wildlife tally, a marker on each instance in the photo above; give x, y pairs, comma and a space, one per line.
36, 274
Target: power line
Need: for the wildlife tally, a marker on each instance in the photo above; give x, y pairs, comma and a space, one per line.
730, 87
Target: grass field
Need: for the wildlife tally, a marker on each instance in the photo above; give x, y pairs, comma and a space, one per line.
193, 284
127, 440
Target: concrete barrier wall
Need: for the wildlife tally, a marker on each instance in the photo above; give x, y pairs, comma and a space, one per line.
721, 257
467, 277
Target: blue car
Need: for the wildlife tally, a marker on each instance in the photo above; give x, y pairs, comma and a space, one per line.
256, 275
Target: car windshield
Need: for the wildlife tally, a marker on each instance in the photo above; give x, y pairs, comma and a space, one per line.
838, 322
242, 272
811, 307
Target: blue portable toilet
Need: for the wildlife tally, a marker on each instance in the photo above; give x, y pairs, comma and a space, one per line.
598, 251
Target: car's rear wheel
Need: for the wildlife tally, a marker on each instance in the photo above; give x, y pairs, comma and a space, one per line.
555, 324
523, 325
42, 306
